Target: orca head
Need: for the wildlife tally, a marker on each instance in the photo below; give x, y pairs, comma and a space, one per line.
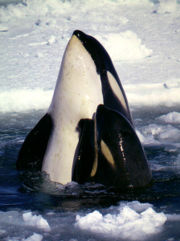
113, 94
98, 53
76, 57
78, 85
121, 158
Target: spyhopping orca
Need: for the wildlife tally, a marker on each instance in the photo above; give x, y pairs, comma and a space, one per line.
87, 134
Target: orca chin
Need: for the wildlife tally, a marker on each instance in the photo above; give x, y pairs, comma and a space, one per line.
87, 134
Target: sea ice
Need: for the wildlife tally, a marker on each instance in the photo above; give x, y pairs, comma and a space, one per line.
154, 94
18, 100
34, 237
159, 134
172, 117
36, 221
128, 223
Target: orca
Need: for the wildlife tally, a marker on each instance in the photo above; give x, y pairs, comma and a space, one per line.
87, 133
109, 152
121, 157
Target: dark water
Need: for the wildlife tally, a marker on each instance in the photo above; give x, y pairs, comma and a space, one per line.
6, 2
30, 194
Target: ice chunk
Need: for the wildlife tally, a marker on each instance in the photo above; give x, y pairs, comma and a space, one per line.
36, 220
155, 134
146, 139
129, 223
34, 237
154, 94
137, 206
172, 117
24, 99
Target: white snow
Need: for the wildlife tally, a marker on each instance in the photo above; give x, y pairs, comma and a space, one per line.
19, 100
167, 6
172, 117
127, 223
142, 42
36, 220
154, 94
124, 46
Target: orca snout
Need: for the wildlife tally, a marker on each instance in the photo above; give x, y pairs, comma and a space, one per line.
78, 33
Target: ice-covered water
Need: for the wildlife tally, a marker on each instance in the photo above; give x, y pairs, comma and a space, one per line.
142, 38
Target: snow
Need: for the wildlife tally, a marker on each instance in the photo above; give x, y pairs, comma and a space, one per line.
128, 46
167, 6
154, 94
20, 100
145, 57
128, 223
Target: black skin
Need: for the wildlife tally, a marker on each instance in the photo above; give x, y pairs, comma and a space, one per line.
85, 152
130, 164
33, 149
